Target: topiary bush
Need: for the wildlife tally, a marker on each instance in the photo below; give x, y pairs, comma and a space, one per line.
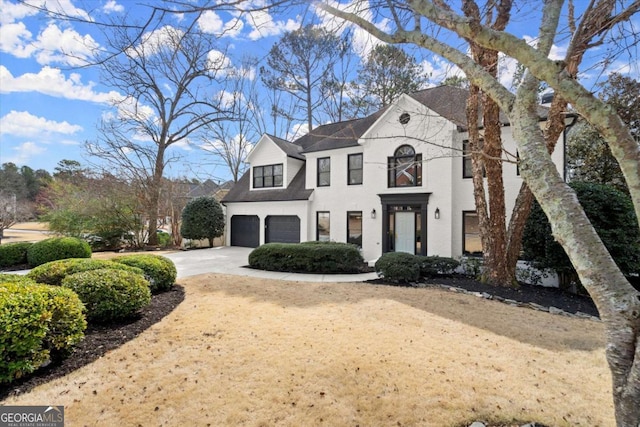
308, 257
398, 267
160, 271
52, 273
432, 266
12, 254
110, 295
202, 218
39, 322
56, 248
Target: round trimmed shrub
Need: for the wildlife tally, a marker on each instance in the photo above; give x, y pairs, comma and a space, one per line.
160, 271
109, 295
16, 278
12, 254
39, 322
52, 273
398, 267
56, 248
431, 266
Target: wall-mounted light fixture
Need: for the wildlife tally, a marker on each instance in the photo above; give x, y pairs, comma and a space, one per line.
373, 214
437, 213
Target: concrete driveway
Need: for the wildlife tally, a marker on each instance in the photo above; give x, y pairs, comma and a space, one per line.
234, 260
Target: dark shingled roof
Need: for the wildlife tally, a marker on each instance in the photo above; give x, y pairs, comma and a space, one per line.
291, 150
448, 101
241, 191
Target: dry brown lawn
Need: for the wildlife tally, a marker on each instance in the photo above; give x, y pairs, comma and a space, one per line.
250, 352
26, 232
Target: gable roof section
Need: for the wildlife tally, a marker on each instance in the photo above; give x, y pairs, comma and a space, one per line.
291, 150
337, 135
241, 191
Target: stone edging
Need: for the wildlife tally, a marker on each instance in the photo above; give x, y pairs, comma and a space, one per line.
514, 303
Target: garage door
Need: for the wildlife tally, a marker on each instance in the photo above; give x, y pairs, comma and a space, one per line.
245, 231
282, 229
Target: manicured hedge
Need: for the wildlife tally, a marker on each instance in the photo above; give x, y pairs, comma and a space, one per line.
308, 257
56, 248
15, 278
398, 266
160, 271
52, 273
404, 267
110, 295
12, 254
38, 323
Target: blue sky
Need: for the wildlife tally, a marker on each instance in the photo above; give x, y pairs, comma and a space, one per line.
51, 103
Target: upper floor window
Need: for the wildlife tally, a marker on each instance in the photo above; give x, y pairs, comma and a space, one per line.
405, 167
467, 162
355, 169
324, 171
267, 176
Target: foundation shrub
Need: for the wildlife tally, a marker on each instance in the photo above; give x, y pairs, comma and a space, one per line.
109, 295
12, 254
15, 278
39, 323
398, 267
57, 248
432, 266
52, 273
308, 257
160, 271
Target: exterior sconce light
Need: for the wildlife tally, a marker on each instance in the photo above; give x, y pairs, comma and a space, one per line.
437, 213
373, 214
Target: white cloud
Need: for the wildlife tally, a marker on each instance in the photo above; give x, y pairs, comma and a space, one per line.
297, 131
362, 41
438, 69
113, 6
155, 40
15, 39
24, 152
219, 63
210, 22
50, 81
64, 46
11, 12
264, 26
131, 109
23, 123
63, 7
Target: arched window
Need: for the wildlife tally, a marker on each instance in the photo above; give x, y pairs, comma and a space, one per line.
405, 167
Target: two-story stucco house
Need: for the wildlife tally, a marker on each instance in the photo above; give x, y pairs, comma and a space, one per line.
397, 180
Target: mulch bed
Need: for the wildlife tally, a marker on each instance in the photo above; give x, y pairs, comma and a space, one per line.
101, 339
98, 340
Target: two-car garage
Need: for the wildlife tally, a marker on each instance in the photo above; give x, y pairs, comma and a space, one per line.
245, 230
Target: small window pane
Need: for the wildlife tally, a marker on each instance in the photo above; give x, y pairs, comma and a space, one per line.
277, 169
277, 181
355, 177
268, 171
355, 161
268, 181
257, 172
323, 227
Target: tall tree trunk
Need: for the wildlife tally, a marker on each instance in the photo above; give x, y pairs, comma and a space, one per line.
617, 302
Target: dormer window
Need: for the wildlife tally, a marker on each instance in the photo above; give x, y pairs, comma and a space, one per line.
267, 176
405, 167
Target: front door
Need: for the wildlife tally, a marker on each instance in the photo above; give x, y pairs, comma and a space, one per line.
405, 228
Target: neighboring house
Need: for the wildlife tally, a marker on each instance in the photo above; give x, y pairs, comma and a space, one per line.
393, 181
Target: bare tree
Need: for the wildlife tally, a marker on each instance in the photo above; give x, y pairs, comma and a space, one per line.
617, 301
168, 79
229, 141
301, 64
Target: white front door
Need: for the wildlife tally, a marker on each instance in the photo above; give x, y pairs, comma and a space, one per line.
405, 232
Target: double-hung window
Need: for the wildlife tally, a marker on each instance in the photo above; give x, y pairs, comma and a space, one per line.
324, 171
267, 176
354, 169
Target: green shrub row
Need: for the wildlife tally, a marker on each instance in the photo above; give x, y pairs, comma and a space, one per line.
109, 295
12, 254
52, 273
404, 267
160, 271
56, 248
38, 323
308, 257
